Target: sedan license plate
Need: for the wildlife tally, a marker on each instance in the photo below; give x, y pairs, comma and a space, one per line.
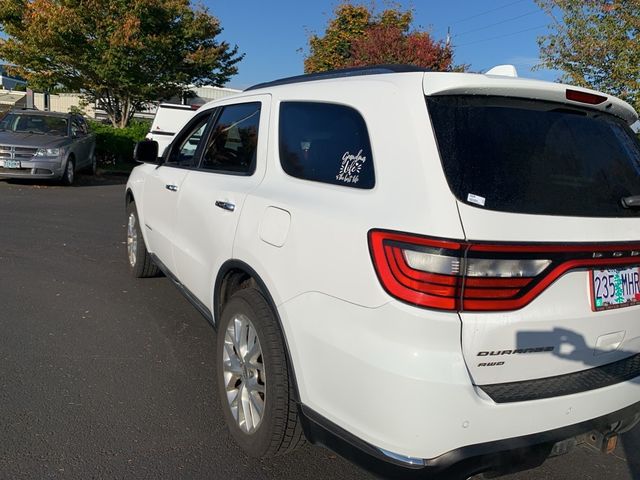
615, 288
10, 163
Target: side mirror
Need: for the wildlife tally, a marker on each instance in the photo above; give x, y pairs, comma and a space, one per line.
146, 151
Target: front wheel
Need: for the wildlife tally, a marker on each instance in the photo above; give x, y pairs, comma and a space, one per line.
69, 175
254, 386
140, 262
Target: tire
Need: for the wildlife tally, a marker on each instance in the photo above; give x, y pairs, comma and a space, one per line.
69, 174
261, 380
92, 169
141, 265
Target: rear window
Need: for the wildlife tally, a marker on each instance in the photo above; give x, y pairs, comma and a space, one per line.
536, 157
327, 143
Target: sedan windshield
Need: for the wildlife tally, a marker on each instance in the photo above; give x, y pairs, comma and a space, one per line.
34, 123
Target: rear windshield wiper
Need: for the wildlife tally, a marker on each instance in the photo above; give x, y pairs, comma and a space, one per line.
632, 201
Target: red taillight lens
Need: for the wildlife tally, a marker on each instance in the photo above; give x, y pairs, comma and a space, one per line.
451, 275
438, 287
585, 97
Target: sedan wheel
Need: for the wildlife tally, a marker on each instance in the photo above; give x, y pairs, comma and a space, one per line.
69, 175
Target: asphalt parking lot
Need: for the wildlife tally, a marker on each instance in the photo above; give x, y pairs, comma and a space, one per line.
105, 376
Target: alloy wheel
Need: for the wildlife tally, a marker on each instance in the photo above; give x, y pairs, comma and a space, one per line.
132, 239
69, 172
244, 373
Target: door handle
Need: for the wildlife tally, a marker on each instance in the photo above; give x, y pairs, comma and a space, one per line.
172, 188
225, 205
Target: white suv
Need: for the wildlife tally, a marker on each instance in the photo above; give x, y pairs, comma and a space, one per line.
427, 272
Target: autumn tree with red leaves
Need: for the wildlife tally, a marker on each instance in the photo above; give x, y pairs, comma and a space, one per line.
357, 36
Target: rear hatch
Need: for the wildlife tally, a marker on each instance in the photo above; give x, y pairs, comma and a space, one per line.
552, 255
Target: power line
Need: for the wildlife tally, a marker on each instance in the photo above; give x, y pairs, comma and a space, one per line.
497, 23
487, 12
501, 36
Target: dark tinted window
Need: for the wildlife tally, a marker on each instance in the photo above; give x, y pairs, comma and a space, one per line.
233, 141
185, 146
77, 128
325, 143
536, 157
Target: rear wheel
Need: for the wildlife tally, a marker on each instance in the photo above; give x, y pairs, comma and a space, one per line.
255, 389
140, 262
93, 166
69, 175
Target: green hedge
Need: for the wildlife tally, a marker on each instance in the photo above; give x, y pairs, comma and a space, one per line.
115, 145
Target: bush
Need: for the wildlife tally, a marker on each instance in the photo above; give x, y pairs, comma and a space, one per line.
115, 145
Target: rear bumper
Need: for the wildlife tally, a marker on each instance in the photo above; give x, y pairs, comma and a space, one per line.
395, 378
498, 457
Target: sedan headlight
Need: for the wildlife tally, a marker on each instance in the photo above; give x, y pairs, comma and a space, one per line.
48, 152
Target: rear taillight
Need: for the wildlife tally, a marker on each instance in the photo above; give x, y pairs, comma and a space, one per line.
453, 275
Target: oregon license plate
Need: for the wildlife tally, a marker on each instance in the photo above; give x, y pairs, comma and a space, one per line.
615, 288
10, 163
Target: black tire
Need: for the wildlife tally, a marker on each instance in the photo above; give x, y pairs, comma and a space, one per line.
69, 174
279, 431
92, 169
141, 264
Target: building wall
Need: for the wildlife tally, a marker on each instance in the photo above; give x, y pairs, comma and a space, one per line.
63, 102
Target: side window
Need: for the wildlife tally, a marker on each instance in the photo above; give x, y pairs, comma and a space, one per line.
83, 125
233, 141
326, 143
77, 129
184, 146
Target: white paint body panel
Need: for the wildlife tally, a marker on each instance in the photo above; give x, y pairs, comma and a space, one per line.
392, 374
395, 377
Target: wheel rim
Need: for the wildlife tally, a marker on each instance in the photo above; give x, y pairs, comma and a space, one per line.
132, 239
244, 374
70, 171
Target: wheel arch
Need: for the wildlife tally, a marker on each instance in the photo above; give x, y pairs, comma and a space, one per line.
128, 198
235, 275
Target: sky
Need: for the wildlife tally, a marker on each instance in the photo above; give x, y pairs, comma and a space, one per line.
274, 34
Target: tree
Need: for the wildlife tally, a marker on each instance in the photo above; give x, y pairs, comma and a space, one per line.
596, 44
120, 53
357, 36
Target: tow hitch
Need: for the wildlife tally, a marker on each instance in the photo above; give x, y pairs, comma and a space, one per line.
605, 442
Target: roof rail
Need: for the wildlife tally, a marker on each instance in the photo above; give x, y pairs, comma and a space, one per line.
342, 73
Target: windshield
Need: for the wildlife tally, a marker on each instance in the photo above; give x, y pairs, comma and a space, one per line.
34, 123
535, 157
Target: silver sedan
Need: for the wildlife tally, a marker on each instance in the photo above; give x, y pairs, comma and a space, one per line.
45, 145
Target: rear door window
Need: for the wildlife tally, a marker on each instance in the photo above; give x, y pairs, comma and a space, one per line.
536, 157
325, 143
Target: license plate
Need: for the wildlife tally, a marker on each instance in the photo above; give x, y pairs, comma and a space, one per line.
615, 288
10, 163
